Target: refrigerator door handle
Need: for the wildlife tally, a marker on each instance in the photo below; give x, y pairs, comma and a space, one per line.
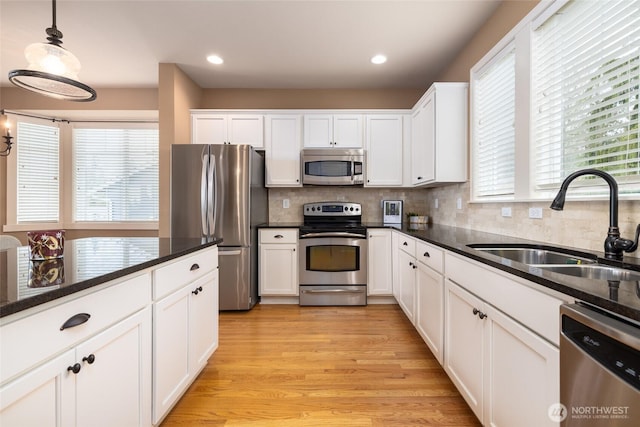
213, 194
229, 253
203, 196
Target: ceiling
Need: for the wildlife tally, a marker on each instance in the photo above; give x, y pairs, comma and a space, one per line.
294, 44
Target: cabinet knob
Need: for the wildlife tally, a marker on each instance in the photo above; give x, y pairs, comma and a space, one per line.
278, 236
426, 254
75, 320
197, 290
75, 368
194, 267
405, 244
478, 313
89, 359
419, 177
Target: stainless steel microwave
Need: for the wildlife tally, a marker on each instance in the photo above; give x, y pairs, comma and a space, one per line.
332, 166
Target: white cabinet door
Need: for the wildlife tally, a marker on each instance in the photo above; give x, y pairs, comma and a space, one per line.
318, 131
171, 350
327, 131
208, 129
113, 387
44, 397
379, 265
283, 141
423, 143
430, 309
465, 345
246, 129
407, 284
522, 378
384, 150
347, 131
278, 269
203, 321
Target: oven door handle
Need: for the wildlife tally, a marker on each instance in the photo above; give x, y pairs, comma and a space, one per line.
333, 234
330, 291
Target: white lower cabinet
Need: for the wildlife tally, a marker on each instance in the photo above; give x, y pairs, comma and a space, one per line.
406, 290
185, 331
379, 270
506, 373
278, 262
105, 381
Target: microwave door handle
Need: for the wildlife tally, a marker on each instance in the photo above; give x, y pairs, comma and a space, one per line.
353, 169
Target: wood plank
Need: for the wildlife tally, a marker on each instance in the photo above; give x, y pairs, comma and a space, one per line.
285, 365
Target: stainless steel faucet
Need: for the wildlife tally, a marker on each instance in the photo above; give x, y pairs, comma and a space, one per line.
614, 245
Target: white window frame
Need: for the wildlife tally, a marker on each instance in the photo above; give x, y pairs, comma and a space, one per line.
521, 36
65, 183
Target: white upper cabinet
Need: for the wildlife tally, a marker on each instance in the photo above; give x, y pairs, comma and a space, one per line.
439, 135
219, 128
283, 141
384, 150
333, 131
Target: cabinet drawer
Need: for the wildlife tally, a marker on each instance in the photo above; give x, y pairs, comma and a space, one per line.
33, 339
407, 244
279, 235
429, 255
173, 276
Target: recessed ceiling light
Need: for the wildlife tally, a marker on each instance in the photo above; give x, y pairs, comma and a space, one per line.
215, 59
379, 59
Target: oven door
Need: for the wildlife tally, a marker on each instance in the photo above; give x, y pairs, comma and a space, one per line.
333, 260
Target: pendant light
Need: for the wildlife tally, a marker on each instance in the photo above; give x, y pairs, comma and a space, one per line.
52, 70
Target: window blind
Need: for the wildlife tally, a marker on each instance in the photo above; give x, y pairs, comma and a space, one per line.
494, 139
586, 85
115, 174
38, 185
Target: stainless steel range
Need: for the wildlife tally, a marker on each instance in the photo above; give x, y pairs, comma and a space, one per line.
333, 258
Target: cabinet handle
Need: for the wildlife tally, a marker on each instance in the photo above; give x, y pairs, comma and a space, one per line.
75, 368
415, 266
278, 236
197, 290
410, 263
478, 313
75, 320
419, 177
405, 244
89, 359
426, 254
194, 267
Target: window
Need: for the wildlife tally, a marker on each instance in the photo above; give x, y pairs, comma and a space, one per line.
493, 165
586, 69
37, 172
576, 90
115, 173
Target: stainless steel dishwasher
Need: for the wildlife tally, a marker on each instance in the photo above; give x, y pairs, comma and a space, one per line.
599, 369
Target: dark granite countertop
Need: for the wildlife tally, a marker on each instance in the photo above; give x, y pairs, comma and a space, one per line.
86, 263
623, 300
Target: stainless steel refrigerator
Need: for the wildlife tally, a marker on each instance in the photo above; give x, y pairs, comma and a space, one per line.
218, 191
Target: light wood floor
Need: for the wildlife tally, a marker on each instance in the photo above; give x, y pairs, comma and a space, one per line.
284, 365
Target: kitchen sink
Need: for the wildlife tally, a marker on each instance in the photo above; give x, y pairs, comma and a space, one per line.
534, 255
594, 271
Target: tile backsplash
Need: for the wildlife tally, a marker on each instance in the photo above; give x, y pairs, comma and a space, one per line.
581, 224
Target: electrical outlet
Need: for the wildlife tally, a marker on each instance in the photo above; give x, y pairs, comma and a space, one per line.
535, 213
285, 203
506, 212
435, 203
459, 203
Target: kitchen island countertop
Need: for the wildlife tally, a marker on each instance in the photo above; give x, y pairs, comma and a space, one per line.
623, 299
86, 263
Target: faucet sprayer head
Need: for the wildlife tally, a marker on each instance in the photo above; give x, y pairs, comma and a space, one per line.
558, 202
